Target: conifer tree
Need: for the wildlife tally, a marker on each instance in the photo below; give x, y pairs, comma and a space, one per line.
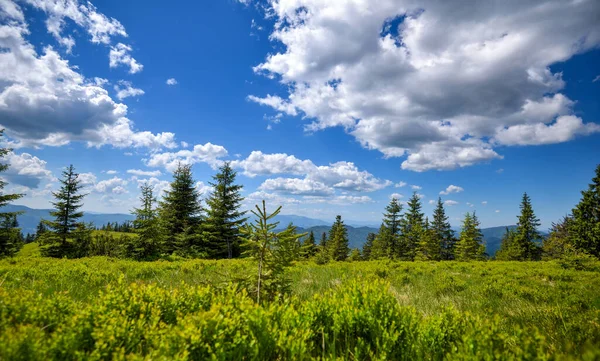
9, 242
558, 243
526, 233
381, 244
224, 218
67, 235
443, 233
148, 245
338, 240
509, 247
309, 246
584, 231
392, 220
429, 245
180, 212
355, 255
323, 241
470, 245
368, 246
412, 228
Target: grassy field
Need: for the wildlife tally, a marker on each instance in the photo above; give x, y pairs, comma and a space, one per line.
102, 308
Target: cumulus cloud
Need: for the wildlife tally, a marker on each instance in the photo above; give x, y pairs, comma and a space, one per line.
439, 83
87, 179
415, 187
484, 203
158, 185
397, 196
144, 173
452, 189
120, 55
45, 101
114, 185
125, 89
208, 153
111, 172
450, 203
203, 189
400, 184
296, 186
171, 81
26, 170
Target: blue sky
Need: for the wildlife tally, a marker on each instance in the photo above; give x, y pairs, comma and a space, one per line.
324, 107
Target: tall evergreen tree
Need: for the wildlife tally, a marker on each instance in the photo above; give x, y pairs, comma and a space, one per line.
368, 246
180, 212
149, 243
67, 235
381, 243
9, 243
470, 245
584, 232
429, 248
526, 233
412, 228
392, 220
509, 247
338, 240
443, 233
558, 243
309, 246
224, 218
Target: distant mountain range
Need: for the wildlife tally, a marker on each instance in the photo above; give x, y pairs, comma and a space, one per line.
357, 231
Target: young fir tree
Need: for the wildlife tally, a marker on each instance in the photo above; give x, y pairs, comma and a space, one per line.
180, 213
274, 252
584, 231
355, 255
224, 218
392, 220
338, 240
148, 244
429, 246
509, 248
9, 242
381, 243
67, 235
557, 244
309, 246
526, 233
40, 229
368, 246
470, 245
412, 228
443, 233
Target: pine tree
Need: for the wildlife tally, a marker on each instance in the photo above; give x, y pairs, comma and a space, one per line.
9, 243
381, 244
429, 246
392, 220
148, 245
368, 246
443, 233
67, 235
309, 246
526, 233
412, 228
509, 247
338, 241
224, 219
470, 245
180, 212
584, 232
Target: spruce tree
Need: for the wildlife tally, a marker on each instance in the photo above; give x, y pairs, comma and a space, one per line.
381, 243
412, 228
148, 244
443, 233
470, 245
392, 220
509, 247
429, 245
224, 218
180, 213
368, 246
584, 231
526, 233
558, 244
309, 246
338, 240
9, 242
67, 235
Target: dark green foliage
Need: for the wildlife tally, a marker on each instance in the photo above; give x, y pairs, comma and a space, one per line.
509, 248
368, 246
584, 231
557, 244
67, 236
224, 218
10, 235
355, 255
309, 246
392, 220
412, 228
527, 234
442, 232
470, 245
429, 246
149, 243
180, 213
337, 245
381, 243
40, 229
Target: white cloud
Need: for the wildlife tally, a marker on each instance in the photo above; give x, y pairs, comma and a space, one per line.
25, 170
497, 211
387, 72
259, 163
144, 173
396, 195
125, 89
159, 185
484, 203
470, 204
400, 184
119, 55
452, 189
171, 81
450, 203
87, 179
416, 187
296, 186
208, 153
184, 144
111, 172
500, 171
432, 202
114, 185
203, 189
